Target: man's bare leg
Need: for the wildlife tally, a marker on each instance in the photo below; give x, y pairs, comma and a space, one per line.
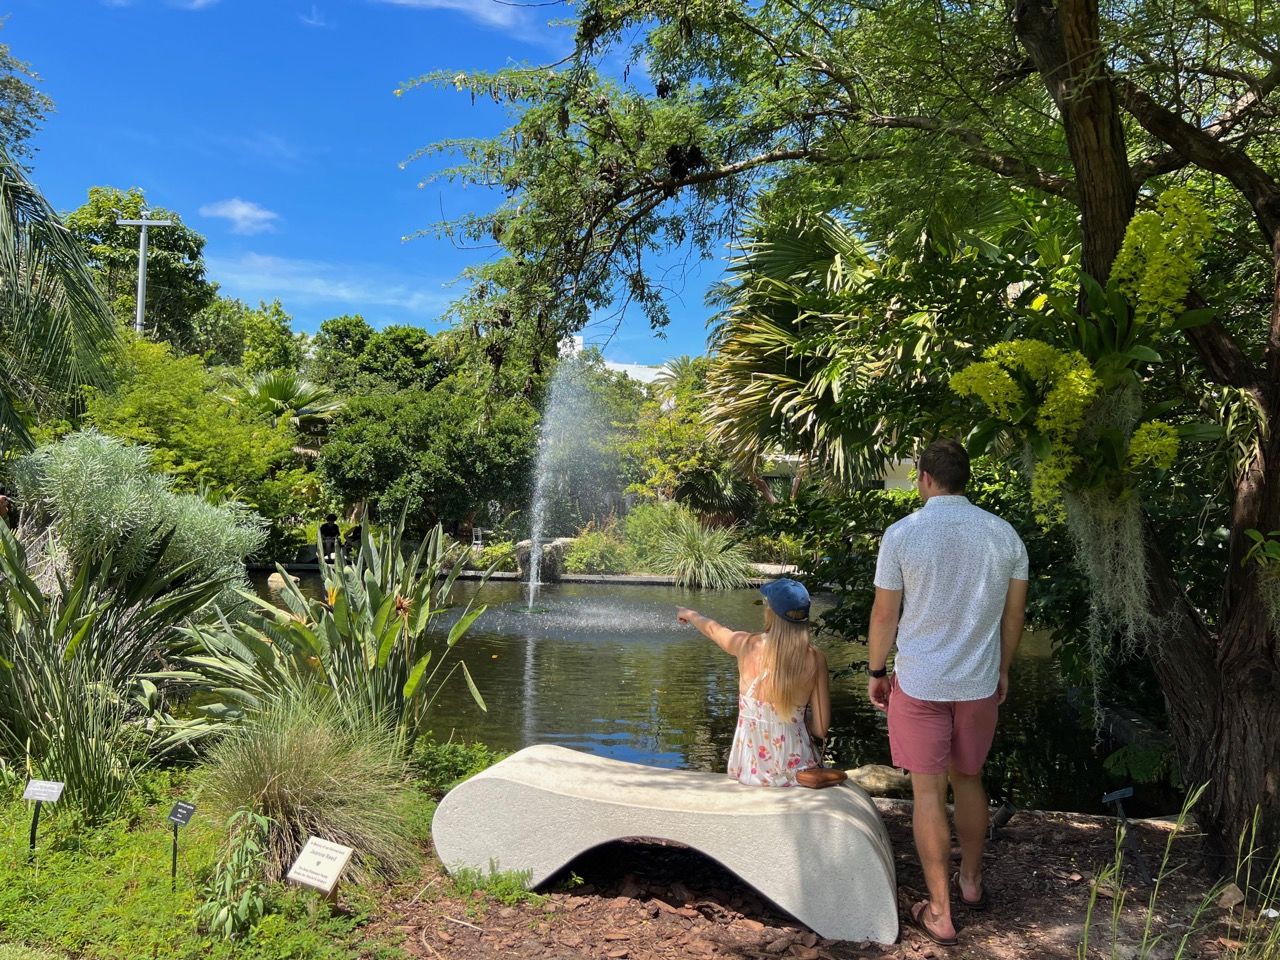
933, 845
971, 828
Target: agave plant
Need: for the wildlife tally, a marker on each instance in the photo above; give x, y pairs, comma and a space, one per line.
369, 640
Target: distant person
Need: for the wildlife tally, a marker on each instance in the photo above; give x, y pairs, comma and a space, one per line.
780, 674
351, 542
951, 588
329, 534
6, 508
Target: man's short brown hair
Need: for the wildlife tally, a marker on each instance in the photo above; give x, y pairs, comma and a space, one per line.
948, 464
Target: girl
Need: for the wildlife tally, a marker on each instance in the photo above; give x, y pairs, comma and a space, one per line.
780, 673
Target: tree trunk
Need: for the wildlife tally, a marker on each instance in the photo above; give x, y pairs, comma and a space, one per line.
1064, 45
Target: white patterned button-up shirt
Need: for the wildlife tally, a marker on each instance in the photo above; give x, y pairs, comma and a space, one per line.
953, 563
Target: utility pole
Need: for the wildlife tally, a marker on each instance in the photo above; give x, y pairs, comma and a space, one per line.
144, 223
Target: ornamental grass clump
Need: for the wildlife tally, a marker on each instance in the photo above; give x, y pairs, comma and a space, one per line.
704, 557
313, 768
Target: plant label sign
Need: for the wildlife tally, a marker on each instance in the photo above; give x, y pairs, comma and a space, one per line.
320, 864
181, 813
46, 791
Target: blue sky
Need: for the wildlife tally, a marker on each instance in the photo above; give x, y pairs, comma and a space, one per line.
272, 127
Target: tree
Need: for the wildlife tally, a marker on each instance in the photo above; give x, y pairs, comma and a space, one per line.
22, 106
217, 332
335, 351
176, 286
440, 455
880, 110
285, 397
56, 334
173, 405
269, 340
400, 357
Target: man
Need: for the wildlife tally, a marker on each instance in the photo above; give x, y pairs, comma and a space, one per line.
329, 533
951, 586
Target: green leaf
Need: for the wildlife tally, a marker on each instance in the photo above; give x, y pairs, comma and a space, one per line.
1143, 354
1194, 318
415, 676
463, 625
1196, 432
475, 692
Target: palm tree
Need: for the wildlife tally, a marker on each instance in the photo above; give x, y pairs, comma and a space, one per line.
285, 396
56, 332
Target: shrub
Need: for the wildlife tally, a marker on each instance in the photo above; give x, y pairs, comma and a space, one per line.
367, 640
314, 769
597, 551
498, 555
99, 496
702, 557
647, 527
438, 766
70, 691
233, 898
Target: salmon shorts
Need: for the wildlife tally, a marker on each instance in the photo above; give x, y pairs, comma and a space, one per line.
933, 736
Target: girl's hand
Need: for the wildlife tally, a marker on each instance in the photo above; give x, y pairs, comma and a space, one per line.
685, 615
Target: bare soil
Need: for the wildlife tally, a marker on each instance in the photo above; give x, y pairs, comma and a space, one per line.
658, 901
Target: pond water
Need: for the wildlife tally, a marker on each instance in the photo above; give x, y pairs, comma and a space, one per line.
606, 669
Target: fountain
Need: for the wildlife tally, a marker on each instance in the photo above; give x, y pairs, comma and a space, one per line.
576, 474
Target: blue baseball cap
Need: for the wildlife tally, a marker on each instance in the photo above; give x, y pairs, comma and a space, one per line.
788, 599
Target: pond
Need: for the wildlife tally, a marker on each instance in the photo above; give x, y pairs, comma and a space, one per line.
606, 669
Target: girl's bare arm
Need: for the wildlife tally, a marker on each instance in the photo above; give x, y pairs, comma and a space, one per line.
730, 641
820, 699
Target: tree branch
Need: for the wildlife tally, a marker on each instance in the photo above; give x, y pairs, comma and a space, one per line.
981, 154
1258, 187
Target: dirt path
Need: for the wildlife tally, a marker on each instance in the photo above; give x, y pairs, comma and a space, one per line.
657, 901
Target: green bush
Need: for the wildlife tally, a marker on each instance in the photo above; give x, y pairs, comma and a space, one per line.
438, 766
367, 639
648, 527
498, 555
704, 557
598, 551
234, 898
100, 497
313, 768
70, 672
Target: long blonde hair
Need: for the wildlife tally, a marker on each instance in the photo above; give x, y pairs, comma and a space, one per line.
785, 655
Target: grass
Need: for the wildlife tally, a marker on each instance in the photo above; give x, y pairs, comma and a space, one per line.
104, 893
315, 770
507, 887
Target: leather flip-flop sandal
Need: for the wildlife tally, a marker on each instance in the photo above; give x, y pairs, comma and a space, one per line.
979, 905
917, 920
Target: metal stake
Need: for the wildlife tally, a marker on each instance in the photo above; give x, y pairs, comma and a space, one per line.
35, 825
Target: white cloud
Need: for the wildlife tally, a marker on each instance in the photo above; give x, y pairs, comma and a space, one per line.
315, 18
360, 287
520, 20
245, 215
194, 4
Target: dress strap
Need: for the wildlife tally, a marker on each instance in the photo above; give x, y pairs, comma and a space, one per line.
752, 689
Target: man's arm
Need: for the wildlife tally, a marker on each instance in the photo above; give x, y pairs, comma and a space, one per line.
881, 633
1011, 623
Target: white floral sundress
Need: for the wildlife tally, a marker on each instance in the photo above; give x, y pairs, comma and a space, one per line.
769, 749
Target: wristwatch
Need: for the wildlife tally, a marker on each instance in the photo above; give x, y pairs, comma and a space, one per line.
882, 672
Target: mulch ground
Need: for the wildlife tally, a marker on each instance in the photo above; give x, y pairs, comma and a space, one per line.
659, 901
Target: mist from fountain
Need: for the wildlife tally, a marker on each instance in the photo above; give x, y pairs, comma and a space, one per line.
574, 475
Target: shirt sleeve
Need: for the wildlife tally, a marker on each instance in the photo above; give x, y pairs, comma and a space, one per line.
888, 567
1021, 567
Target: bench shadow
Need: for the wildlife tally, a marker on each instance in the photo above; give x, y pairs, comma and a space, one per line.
646, 869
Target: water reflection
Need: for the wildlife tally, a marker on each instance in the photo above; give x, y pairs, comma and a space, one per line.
607, 669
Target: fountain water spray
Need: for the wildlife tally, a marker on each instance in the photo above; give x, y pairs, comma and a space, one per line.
576, 475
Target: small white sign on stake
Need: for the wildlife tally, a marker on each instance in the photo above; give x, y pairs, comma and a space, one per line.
320, 864
46, 790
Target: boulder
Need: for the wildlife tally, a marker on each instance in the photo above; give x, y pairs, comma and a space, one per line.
553, 553
881, 781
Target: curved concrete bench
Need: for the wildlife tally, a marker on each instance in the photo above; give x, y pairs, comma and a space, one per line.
821, 855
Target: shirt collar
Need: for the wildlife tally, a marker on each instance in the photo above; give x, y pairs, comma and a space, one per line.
946, 500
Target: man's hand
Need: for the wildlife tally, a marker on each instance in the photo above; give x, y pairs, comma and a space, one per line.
878, 693
1002, 688
685, 615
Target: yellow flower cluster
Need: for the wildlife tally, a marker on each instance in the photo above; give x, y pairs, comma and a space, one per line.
991, 384
1069, 387
1160, 255
1153, 444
